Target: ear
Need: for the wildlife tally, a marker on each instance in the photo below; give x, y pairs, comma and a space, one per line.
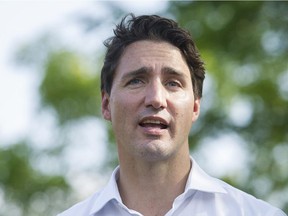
196, 109
106, 112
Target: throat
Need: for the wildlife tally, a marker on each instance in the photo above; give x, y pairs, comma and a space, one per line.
149, 194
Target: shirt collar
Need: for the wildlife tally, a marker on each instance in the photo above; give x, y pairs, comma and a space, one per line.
201, 181
110, 192
198, 180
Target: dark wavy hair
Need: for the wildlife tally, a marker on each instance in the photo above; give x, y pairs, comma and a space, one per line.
155, 28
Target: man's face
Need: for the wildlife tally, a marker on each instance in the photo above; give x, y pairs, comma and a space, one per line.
151, 105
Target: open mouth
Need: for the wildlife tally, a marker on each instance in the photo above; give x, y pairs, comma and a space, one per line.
153, 124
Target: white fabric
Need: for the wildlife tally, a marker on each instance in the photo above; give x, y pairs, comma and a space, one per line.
203, 196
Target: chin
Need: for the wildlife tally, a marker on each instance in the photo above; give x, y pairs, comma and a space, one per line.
154, 153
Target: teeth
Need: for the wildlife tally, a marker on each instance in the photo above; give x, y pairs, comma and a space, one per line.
152, 122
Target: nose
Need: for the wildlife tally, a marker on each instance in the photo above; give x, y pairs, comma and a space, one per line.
156, 95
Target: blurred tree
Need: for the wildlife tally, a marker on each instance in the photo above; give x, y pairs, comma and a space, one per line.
24, 186
69, 88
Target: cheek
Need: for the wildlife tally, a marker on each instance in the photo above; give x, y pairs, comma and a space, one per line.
182, 111
182, 98
117, 110
183, 103
121, 110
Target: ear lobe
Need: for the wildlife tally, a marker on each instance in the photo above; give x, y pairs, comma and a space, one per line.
196, 109
106, 113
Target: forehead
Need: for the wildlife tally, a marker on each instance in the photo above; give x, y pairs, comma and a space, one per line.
152, 54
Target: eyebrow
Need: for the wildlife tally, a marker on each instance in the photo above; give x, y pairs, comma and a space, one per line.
174, 72
139, 72
144, 71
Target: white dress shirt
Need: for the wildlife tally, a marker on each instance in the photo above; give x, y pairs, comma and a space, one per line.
203, 196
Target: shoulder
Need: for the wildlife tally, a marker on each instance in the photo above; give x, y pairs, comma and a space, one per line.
97, 201
247, 203
216, 196
82, 208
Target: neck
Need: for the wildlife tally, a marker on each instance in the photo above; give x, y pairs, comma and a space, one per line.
150, 188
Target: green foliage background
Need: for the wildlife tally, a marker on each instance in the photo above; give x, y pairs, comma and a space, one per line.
244, 46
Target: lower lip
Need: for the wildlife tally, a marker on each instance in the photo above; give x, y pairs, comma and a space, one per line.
153, 131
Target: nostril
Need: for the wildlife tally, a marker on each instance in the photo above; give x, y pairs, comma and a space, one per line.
156, 102
155, 96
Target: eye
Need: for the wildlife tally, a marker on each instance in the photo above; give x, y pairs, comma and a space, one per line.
134, 81
174, 84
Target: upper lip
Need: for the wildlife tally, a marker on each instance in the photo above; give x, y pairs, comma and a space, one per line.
154, 120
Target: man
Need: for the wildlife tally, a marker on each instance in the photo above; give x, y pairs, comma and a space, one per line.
151, 89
